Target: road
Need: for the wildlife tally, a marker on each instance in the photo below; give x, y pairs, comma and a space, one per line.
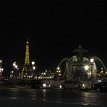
25, 97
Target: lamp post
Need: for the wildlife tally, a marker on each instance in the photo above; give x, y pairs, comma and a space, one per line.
33, 69
91, 70
86, 67
58, 71
15, 66
33, 62
15, 72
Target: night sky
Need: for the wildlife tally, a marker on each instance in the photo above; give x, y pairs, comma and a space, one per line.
54, 29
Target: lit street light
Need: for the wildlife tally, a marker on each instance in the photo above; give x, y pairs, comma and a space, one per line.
15, 67
58, 68
33, 69
91, 60
33, 62
86, 67
58, 72
91, 71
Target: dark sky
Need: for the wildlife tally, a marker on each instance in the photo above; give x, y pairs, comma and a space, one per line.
54, 29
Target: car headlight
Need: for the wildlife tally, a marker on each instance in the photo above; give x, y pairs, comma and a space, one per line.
84, 85
44, 85
60, 86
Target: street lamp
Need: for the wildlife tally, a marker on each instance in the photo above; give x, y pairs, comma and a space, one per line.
91, 71
91, 60
58, 71
15, 66
58, 68
33, 62
15, 73
33, 69
86, 67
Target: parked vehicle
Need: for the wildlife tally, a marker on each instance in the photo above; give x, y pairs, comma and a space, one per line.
56, 85
39, 84
74, 85
36, 83
101, 86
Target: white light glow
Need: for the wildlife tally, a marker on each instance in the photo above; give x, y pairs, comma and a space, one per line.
33, 63
91, 60
86, 67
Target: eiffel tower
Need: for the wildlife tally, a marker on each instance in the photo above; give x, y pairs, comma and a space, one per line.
27, 68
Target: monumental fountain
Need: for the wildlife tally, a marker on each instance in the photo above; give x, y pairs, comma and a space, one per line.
80, 68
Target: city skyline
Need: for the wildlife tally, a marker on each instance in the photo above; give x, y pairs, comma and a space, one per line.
50, 67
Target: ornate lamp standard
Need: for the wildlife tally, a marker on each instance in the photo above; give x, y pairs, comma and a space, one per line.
33, 69
15, 66
91, 71
58, 71
15, 72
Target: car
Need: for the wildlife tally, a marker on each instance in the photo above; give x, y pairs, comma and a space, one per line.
55, 84
101, 86
74, 85
36, 84
39, 84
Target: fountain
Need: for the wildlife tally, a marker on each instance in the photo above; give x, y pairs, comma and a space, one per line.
79, 67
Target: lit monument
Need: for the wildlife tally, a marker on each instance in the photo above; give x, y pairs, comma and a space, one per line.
28, 68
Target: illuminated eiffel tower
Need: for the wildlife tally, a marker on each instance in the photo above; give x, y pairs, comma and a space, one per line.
27, 68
